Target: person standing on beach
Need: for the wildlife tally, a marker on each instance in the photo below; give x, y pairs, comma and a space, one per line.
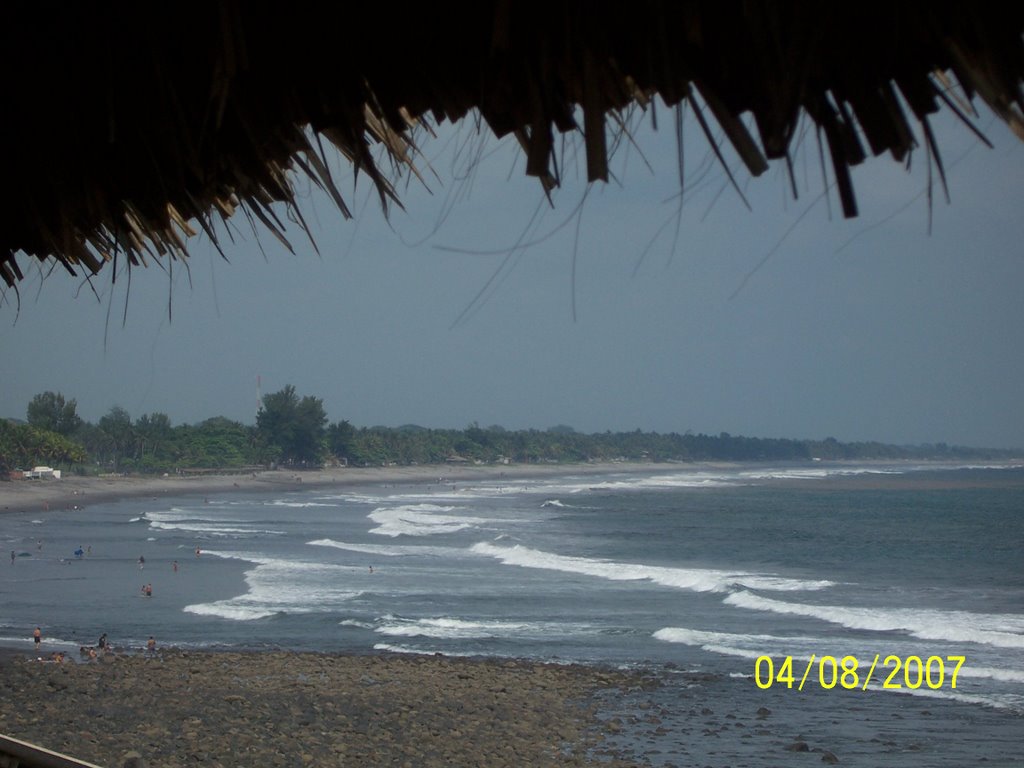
37, 637
151, 645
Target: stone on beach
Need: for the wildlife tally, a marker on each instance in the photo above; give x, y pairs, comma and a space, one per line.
225, 709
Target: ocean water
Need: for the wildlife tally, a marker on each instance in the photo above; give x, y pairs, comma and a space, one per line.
695, 572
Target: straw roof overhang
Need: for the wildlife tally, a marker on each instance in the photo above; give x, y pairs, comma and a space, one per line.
131, 126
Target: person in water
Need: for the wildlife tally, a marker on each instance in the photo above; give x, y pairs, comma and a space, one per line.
37, 637
142, 562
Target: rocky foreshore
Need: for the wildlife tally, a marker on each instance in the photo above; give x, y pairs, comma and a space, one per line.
302, 709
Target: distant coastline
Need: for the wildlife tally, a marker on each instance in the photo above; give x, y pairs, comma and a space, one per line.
73, 491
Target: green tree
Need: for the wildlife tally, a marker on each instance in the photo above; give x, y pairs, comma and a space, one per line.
24, 446
295, 426
152, 434
51, 412
216, 442
341, 438
117, 427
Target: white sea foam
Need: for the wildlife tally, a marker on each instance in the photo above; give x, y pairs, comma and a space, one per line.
420, 520
753, 646
230, 609
689, 479
390, 648
1003, 675
391, 550
997, 700
298, 504
450, 628
1002, 630
276, 585
355, 623
49, 644
742, 646
717, 478
434, 494
698, 637
210, 529
178, 514
691, 579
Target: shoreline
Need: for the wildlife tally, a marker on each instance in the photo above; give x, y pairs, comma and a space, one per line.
75, 492
71, 492
267, 705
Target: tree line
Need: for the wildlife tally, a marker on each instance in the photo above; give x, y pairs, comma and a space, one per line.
294, 431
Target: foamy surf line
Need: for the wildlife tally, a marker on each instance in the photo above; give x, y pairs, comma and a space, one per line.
386, 550
213, 530
420, 520
279, 586
459, 629
391, 648
804, 647
691, 579
998, 630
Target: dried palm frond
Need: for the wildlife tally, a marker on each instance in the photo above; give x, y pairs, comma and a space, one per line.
128, 126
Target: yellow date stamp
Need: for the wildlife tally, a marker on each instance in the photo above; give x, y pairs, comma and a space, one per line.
828, 672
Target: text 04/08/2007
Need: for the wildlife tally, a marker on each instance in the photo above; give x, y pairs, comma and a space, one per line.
912, 672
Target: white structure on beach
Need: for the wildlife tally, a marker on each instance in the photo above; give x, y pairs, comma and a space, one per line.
38, 473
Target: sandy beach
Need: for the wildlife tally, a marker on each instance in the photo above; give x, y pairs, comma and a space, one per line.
73, 491
288, 709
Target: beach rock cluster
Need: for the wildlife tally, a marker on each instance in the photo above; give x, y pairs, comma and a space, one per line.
291, 709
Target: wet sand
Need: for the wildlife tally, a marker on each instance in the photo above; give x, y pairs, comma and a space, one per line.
290, 709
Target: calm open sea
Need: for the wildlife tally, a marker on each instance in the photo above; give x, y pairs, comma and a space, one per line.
702, 570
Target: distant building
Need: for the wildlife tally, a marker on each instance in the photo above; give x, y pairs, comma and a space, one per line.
41, 472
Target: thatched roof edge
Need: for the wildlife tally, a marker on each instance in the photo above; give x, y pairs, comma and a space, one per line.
128, 136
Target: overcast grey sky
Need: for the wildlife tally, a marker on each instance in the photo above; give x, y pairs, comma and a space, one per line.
779, 322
